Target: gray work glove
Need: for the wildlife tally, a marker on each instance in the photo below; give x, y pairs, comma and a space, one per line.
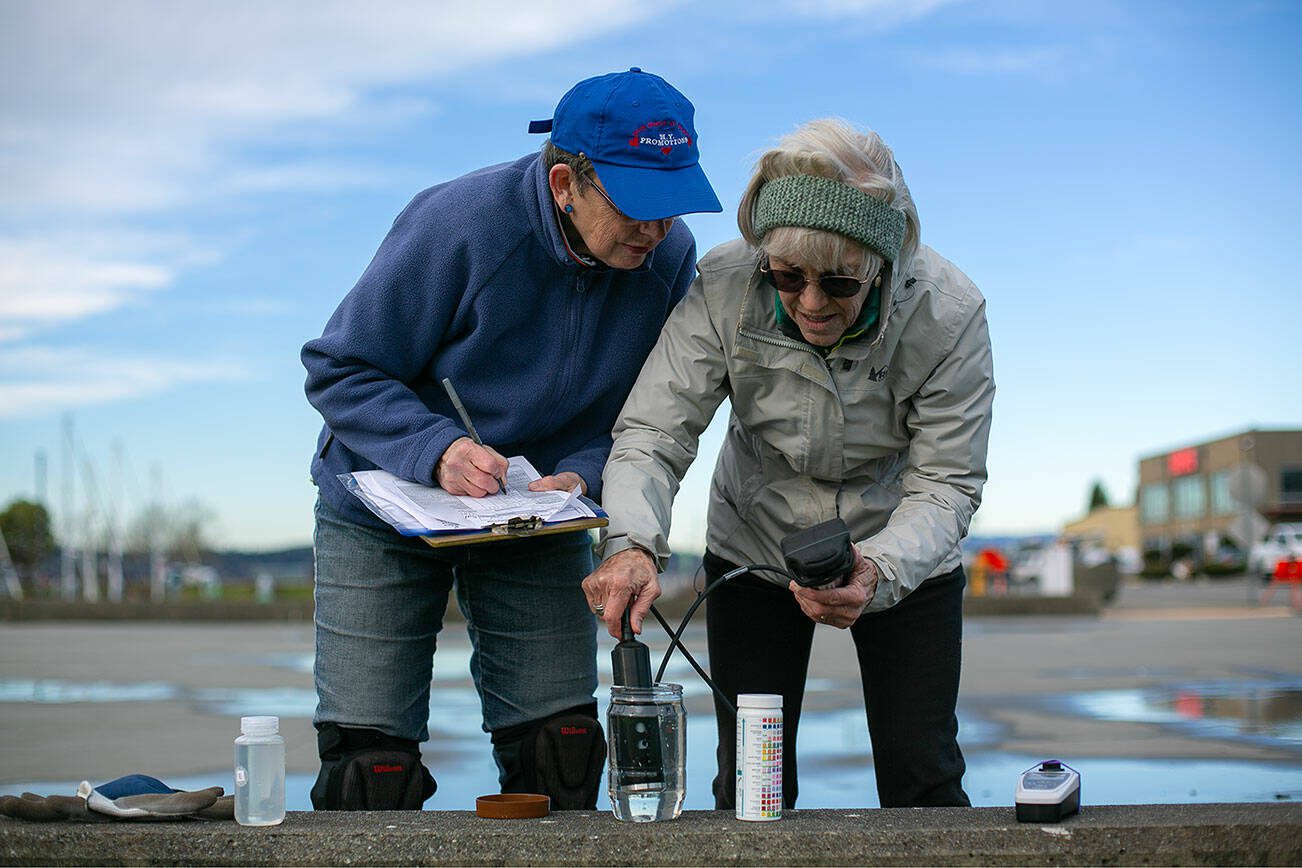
46, 809
134, 797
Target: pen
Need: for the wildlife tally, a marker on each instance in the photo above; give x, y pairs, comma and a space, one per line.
465, 420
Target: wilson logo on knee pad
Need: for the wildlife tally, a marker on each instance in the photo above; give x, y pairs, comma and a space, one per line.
568, 759
366, 770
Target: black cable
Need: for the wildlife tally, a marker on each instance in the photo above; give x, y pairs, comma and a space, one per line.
718, 694
675, 636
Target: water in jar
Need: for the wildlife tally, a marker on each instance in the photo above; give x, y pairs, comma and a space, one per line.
648, 748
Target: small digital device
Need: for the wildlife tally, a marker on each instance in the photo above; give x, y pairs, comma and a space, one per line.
819, 556
1047, 793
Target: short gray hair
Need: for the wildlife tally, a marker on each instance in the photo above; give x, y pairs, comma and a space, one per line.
830, 148
579, 164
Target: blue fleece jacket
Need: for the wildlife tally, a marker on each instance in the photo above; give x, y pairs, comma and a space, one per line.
474, 283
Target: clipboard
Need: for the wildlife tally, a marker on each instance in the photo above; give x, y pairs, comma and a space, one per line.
516, 528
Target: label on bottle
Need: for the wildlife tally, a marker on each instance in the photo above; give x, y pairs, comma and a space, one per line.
759, 764
241, 777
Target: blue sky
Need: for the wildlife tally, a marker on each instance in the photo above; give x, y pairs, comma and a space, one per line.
188, 189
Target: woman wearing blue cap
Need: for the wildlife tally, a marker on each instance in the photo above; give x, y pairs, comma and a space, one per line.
858, 365
537, 287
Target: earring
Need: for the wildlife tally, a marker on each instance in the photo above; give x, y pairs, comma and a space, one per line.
569, 209
877, 282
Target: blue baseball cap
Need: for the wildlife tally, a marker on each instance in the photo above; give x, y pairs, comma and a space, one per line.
637, 130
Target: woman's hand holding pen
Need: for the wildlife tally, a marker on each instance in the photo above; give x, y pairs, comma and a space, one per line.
467, 468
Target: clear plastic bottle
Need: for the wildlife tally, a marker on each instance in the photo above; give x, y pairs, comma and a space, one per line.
759, 756
648, 752
259, 772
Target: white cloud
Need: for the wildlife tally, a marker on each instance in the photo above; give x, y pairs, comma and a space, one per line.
36, 380
9, 332
133, 106
38, 283
116, 116
70, 274
885, 13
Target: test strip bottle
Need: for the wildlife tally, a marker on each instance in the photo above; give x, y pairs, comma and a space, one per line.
759, 756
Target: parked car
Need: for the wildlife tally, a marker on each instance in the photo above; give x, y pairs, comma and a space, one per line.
1282, 543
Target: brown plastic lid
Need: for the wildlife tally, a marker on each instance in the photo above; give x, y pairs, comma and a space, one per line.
513, 806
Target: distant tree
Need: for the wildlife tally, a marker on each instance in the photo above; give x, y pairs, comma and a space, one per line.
182, 531
1098, 496
26, 527
190, 539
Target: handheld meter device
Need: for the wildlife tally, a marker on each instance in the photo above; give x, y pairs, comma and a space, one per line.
1048, 792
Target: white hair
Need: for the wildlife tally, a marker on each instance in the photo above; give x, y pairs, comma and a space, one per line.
830, 148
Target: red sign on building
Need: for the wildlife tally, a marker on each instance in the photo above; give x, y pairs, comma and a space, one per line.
1182, 462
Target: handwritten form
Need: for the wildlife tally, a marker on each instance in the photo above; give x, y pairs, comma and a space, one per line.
416, 509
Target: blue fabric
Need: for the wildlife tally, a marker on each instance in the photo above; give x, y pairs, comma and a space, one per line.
380, 601
474, 283
133, 785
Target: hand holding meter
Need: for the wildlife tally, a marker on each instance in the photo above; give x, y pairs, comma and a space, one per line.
819, 556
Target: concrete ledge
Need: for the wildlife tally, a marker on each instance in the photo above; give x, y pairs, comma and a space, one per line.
1234, 834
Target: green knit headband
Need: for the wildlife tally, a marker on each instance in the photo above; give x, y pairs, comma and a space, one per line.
822, 203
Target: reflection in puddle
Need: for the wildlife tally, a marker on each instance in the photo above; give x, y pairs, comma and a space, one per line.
1259, 713
282, 702
56, 691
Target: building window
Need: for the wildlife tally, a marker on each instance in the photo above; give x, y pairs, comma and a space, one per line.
1223, 503
1154, 503
1290, 485
1190, 497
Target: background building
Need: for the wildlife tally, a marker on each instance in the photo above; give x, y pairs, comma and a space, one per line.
1113, 528
1200, 499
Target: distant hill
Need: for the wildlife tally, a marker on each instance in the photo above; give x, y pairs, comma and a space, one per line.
287, 565
974, 544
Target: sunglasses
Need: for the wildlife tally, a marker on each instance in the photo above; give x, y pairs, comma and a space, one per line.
620, 214
790, 280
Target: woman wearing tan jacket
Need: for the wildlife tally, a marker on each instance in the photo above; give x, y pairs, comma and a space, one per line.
858, 366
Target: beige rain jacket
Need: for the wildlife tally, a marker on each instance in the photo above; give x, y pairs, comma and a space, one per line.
889, 432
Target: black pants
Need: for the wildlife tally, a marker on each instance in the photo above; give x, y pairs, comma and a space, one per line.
909, 661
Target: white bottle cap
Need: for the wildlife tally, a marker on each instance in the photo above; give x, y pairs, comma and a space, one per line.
259, 725
759, 700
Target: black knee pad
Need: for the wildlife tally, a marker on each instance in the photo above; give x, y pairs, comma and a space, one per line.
562, 757
366, 770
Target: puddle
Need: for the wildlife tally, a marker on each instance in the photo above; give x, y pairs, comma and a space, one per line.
1261, 708
990, 781
58, 692
1266, 714
285, 702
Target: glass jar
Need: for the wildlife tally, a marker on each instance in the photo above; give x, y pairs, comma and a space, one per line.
648, 752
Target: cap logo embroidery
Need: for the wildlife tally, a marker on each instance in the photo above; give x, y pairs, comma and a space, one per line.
665, 135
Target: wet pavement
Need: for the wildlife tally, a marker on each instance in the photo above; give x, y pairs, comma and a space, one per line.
1179, 694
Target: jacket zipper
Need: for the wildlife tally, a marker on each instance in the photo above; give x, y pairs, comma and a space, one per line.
827, 364
575, 322
777, 342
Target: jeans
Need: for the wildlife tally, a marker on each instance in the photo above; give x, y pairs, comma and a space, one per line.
380, 600
909, 662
